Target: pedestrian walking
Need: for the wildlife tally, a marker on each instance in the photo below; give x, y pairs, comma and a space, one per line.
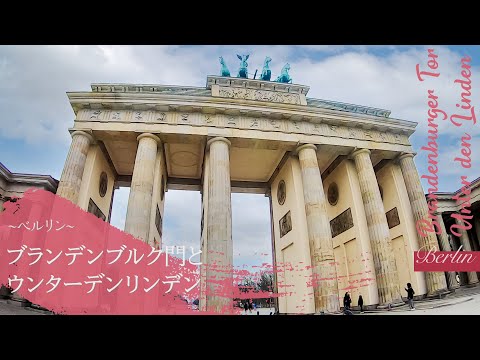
360, 303
410, 294
347, 301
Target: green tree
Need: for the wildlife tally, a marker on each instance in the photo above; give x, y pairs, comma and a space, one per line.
247, 284
265, 283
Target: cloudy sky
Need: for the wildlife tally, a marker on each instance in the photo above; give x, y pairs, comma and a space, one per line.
35, 113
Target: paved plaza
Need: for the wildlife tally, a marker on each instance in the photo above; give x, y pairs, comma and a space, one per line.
261, 311
462, 302
465, 303
11, 307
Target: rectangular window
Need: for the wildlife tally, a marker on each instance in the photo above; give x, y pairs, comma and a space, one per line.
95, 210
158, 221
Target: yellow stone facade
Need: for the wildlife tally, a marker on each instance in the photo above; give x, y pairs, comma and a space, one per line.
343, 186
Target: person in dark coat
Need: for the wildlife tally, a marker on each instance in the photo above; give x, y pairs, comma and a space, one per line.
245, 306
347, 301
410, 294
360, 303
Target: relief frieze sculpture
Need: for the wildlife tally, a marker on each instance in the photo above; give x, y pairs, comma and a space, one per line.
392, 218
260, 95
285, 224
341, 223
244, 122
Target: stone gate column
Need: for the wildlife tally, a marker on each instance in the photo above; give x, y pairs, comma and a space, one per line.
436, 281
445, 246
219, 276
476, 224
71, 179
383, 255
319, 234
465, 241
139, 206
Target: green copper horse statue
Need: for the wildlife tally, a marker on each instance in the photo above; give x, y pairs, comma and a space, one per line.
242, 72
266, 73
284, 77
224, 70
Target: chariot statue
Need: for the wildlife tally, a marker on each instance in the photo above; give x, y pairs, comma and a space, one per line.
284, 77
243, 72
224, 70
266, 73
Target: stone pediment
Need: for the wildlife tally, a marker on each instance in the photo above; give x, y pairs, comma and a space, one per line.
246, 89
238, 106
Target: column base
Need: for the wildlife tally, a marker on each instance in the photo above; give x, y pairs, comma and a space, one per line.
438, 294
339, 312
5, 292
394, 304
365, 308
453, 290
18, 302
39, 307
329, 312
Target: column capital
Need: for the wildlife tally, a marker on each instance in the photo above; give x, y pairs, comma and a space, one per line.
218, 138
85, 133
149, 135
356, 152
305, 146
405, 155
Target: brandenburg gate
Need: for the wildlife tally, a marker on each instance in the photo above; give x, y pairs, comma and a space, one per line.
343, 187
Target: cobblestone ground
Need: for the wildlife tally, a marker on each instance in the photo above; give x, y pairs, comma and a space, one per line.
9, 307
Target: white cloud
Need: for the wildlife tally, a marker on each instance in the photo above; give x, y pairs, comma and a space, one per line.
35, 79
34, 106
251, 229
250, 225
119, 207
182, 218
388, 82
450, 167
391, 83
